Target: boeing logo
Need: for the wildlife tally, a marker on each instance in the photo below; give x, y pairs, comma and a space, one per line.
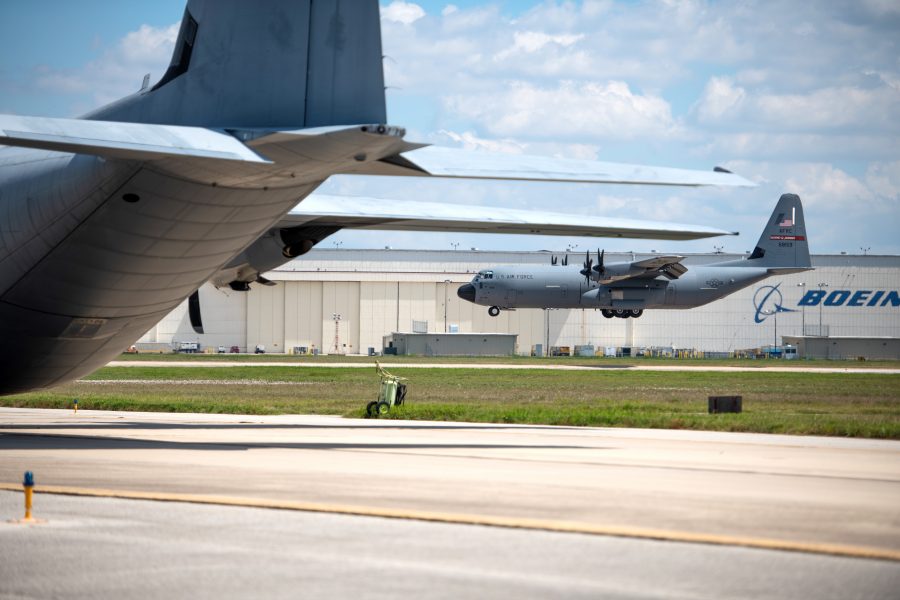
765, 296
850, 298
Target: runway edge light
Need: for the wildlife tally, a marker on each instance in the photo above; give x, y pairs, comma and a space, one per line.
28, 484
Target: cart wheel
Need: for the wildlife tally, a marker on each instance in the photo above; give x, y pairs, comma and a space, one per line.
370, 409
383, 408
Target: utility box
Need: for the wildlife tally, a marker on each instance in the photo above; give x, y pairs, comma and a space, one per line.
725, 404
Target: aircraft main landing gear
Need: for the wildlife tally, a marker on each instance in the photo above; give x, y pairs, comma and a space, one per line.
622, 313
494, 311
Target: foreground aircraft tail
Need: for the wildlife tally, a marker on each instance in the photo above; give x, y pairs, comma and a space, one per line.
292, 64
783, 246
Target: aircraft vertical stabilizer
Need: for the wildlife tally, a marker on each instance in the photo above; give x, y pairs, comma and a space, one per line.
783, 243
294, 64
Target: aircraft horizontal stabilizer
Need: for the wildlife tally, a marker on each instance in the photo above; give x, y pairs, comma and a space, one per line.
397, 215
455, 162
128, 141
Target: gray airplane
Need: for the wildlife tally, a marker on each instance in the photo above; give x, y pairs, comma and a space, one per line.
626, 289
108, 222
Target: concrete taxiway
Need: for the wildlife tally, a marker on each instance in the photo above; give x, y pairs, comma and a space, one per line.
279, 505
111, 548
823, 494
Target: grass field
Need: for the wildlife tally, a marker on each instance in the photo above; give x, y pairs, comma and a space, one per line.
515, 360
858, 405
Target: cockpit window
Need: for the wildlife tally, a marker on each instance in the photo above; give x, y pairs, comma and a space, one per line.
487, 274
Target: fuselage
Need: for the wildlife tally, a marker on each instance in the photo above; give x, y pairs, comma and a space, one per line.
93, 252
542, 286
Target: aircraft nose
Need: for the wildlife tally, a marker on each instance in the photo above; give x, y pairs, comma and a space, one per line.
466, 292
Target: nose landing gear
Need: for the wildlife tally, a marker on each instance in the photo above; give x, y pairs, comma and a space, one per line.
494, 311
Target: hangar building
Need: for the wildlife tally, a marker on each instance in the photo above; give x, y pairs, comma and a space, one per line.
379, 292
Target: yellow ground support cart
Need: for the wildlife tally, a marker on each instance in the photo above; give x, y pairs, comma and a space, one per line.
391, 393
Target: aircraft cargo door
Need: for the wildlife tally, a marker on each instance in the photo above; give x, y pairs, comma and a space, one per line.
511, 298
670, 294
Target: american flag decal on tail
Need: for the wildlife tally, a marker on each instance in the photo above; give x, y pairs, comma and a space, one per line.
784, 221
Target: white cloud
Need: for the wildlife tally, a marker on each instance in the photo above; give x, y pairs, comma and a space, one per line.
884, 180
529, 42
119, 70
399, 11
720, 97
470, 141
847, 108
570, 109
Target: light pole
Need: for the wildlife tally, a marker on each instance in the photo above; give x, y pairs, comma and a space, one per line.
821, 285
774, 314
455, 245
802, 286
865, 251
547, 333
446, 283
336, 317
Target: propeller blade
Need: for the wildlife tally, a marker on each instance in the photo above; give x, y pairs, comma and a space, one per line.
194, 312
586, 271
600, 268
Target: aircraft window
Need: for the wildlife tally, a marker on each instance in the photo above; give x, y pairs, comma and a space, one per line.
488, 274
184, 46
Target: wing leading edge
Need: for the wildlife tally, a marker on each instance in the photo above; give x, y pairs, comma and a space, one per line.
459, 163
397, 215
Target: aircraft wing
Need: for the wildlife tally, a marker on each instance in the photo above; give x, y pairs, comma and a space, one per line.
650, 268
657, 262
375, 150
455, 162
397, 215
321, 215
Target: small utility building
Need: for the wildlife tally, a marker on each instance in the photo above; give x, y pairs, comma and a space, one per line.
451, 344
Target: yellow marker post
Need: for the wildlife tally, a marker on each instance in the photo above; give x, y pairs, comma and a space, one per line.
76, 406
28, 484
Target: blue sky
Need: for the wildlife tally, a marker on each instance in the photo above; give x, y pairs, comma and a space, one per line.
799, 97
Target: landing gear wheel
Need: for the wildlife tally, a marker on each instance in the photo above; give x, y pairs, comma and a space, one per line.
637, 313
370, 409
607, 313
382, 408
494, 311
622, 313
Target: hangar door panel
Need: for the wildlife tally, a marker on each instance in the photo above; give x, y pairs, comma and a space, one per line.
340, 298
265, 318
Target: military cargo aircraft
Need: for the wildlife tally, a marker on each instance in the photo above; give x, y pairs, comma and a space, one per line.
626, 289
110, 221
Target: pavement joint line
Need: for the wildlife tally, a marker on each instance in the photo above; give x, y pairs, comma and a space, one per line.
865, 552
